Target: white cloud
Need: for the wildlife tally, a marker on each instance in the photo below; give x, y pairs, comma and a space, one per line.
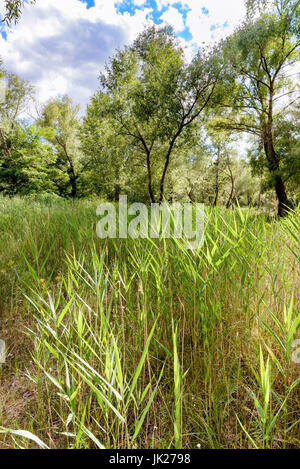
164, 3
139, 3
61, 46
221, 20
174, 18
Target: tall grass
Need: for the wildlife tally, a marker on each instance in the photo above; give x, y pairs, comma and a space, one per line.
146, 344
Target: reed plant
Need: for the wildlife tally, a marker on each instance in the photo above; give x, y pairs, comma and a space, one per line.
145, 343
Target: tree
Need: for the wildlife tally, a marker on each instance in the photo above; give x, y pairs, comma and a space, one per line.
62, 117
260, 53
289, 145
16, 95
221, 152
286, 134
29, 168
26, 161
153, 99
13, 10
106, 155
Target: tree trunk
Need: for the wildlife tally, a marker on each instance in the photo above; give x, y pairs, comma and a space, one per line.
283, 201
117, 193
73, 182
232, 186
162, 182
151, 194
6, 148
273, 162
166, 167
217, 182
72, 175
191, 192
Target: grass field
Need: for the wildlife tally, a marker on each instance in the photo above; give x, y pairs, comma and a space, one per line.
145, 344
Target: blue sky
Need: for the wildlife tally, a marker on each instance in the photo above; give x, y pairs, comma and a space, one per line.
156, 13
61, 46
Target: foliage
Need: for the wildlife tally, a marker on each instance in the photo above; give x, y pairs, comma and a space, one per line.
29, 168
261, 93
13, 10
152, 98
165, 128
62, 116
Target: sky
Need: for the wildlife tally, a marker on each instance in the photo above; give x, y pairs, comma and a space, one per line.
61, 46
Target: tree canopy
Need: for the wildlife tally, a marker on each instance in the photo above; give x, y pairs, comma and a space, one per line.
162, 127
261, 55
13, 10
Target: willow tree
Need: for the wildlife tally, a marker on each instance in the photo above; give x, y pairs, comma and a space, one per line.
152, 97
261, 55
13, 10
61, 115
15, 96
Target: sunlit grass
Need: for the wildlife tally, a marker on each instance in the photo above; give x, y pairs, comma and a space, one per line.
146, 344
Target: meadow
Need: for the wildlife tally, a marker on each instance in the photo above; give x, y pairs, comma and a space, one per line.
144, 343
